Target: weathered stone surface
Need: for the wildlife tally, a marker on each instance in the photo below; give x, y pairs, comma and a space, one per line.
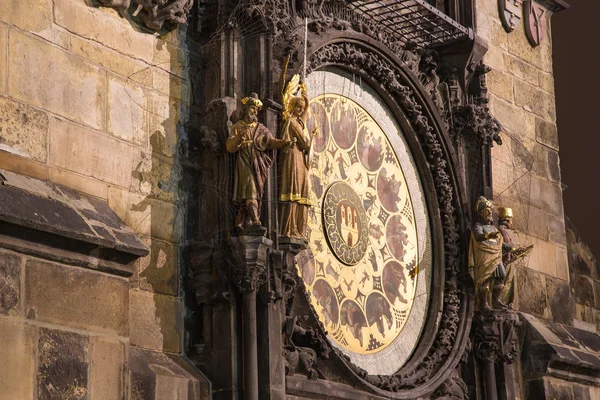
546, 82
500, 84
77, 298
547, 196
546, 257
531, 289
167, 118
540, 56
557, 231
29, 15
17, 353
127, 111
156, 176
78, 182
10, 283
107, 367
545, 388
521, 70
158, 271
562, 264
513, 119
553, 166
107, 160
57, 69
536, 101
499, 36
99, 26
583, 290
146, 216
3, 57
23, 130
22, 165
494, 58
62, 365
561, 302
154, 375
170, 85
120, 64
546, 133
155, 321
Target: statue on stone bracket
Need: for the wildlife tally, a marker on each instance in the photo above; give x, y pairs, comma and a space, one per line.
295, 162
254, 145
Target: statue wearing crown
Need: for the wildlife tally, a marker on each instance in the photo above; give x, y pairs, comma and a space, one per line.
295, 162
254, 146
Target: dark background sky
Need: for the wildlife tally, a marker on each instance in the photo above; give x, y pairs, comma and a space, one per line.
576, 41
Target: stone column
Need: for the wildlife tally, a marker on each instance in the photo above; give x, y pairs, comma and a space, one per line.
249, 265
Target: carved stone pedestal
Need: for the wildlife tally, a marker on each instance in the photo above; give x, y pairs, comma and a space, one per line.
248, 259
495, 344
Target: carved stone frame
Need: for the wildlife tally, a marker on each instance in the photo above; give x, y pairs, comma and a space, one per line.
445, 335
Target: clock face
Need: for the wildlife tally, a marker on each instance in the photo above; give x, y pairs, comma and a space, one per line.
367, 248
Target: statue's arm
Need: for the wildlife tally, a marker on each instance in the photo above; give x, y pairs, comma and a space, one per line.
234, 141
479, 234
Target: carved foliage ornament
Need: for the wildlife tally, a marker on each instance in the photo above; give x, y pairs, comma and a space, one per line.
388, 76
155, 14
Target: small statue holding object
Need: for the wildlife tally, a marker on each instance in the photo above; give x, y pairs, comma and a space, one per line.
295, 162
511, 252
254, 145
486, 258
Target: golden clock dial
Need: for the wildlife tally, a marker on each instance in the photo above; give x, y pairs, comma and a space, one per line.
363, 246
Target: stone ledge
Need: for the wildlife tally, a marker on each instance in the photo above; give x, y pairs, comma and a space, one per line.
155, 375
53, 222
561, 351
554, 5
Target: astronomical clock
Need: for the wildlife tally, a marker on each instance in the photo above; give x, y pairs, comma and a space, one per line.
367, 268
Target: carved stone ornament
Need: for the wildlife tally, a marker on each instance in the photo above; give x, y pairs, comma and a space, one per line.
510, 14
454, 388
155, 14
473, 121
535, 22
447, 341
248, 258
495, 336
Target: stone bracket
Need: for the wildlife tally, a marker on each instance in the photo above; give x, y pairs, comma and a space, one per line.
248, 258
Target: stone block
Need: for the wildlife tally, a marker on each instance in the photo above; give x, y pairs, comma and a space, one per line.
484, 25
557, 231
23, 130
546, 257
515, 120
113, 61
540, 56
546, 82
105, 28
548, 196
127, 111
546, 133
489, 7
78, 182
158, 272
167, 118
10, 283
500, 84
537, 223
531, 291
75, 297
521, 70
22, 165
62, 365
171, 58
146, 216
37, 69
553, 166
535, 100
561, 301
155, 322
107, 366
494, 58
89, 153
562, 264
28, 15
584, 290
499, 36
17, 352
156, 176
3, 57
170, 85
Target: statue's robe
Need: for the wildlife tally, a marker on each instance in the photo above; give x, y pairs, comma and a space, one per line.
508, 246
485, 255
253, 159
293, 179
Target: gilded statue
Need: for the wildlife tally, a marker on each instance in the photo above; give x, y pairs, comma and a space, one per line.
295, 162
254, 146
511, 252
486, 258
